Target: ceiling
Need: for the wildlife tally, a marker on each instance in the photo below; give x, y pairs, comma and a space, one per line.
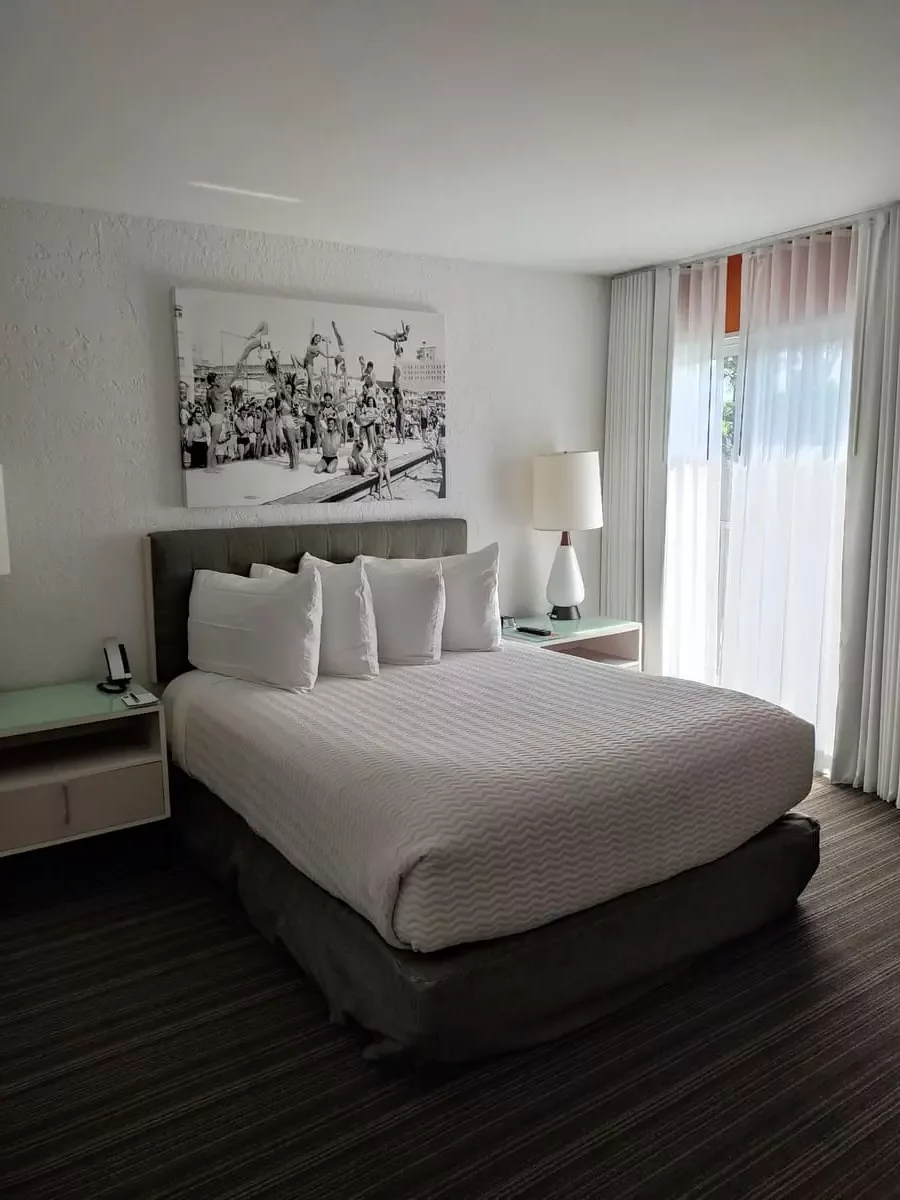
593, 135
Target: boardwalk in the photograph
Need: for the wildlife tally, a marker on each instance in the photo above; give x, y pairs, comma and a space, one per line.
271, 481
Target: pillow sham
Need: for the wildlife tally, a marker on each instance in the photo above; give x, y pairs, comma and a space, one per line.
471, 588
263, 630
349, 646
472, 584
409, 608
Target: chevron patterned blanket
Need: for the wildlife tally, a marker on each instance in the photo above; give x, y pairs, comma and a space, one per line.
491, 793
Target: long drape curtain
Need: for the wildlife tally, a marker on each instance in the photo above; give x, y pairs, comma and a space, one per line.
694, 474
867, 741
631, 548
784, 501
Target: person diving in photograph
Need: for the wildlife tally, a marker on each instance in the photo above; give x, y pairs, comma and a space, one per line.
397, 340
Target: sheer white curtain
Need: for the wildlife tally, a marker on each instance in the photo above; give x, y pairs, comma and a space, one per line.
867, 742
694, 475
637, 396
781, 614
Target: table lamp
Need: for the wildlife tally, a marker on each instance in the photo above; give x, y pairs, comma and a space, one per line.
566, 497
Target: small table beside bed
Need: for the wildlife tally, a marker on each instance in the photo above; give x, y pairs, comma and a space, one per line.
482, 854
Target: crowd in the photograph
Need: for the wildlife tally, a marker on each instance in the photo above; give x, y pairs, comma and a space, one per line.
283, 412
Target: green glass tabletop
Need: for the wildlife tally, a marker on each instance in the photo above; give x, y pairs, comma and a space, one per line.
60, 704
585, 628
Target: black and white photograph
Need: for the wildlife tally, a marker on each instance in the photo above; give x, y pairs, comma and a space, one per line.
284, 401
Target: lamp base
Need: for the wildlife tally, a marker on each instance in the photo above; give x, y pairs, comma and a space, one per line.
565, 612
565, 587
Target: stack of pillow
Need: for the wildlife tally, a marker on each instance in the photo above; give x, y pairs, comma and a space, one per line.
342, 619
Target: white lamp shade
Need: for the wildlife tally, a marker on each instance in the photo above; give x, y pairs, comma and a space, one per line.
567, 491
4, 534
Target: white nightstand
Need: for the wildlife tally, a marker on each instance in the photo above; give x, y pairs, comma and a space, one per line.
75, 762
604, 640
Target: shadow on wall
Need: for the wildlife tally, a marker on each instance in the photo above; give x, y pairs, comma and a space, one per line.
528, 557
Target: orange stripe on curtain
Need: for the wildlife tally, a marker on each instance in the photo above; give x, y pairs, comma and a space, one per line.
733, 294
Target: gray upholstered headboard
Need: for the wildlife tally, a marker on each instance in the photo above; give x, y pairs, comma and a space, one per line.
174, 557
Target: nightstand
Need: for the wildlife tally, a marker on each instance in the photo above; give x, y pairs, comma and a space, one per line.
600, 639
75, 762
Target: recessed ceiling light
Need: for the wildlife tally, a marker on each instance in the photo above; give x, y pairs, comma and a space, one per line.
236, 191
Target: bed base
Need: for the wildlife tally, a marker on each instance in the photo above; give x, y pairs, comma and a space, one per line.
512, 992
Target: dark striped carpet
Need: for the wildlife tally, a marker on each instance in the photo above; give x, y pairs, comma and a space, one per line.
152, 1045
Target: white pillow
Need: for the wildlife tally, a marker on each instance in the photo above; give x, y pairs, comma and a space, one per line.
264, 630
349, 640
409, 601
471, 588
471, 581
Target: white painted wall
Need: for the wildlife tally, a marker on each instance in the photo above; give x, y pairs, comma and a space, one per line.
88, 430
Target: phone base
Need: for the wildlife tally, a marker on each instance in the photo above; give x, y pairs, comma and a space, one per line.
113, 689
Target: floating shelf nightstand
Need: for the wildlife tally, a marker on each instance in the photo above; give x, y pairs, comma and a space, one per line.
75, 762
601, 639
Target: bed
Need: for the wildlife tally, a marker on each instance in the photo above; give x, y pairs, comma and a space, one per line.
434, 855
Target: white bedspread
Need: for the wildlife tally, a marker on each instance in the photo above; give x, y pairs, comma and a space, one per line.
491, 793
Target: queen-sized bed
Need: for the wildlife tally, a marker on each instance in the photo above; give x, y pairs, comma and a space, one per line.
481, 854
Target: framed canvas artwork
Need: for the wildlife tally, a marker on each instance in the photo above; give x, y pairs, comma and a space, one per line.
285, 401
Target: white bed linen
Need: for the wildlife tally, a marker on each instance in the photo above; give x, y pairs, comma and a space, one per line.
494, 792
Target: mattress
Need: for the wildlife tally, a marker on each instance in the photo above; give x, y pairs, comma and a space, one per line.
491, 793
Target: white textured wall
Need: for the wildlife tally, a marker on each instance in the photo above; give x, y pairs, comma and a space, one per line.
88, 433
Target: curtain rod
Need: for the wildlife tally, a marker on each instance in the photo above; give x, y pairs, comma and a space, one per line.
753, 244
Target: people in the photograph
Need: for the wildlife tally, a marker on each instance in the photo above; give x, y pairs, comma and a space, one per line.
430, 442
184, 419
329, 411
358, 463
197, 436
313, 351
330, 444
366, 375
368, 419
379, 403
260, 336
283, 431
382, 470
398, 340
218, 394
270, 427
343, 415
442, 460
339, 360
289, 428
243, 428
311, 408
398, 399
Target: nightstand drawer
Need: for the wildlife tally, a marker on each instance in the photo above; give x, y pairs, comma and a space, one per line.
32, 815
116, 798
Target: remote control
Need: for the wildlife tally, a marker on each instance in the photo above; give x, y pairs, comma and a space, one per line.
536, 632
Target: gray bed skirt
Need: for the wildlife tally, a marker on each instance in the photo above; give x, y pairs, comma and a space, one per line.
513, 992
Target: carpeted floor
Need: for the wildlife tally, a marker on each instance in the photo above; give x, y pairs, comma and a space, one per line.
153, 1045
